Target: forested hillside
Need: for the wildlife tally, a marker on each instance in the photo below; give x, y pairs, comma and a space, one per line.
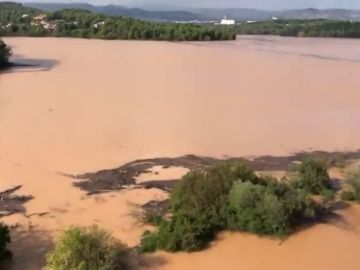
116, 10
17, 20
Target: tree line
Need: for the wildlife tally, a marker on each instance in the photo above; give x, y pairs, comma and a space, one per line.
302, 28
17, 20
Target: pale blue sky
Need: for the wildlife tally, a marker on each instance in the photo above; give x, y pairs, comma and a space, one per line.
260, 4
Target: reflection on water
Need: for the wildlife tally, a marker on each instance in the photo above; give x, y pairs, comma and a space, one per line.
22, 64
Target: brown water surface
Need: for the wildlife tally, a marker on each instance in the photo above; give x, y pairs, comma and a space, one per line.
109, 102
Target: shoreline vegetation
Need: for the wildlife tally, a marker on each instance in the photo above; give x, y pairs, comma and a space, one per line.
302, 28
17, 20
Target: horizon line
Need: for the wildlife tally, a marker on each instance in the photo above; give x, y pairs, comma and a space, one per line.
174, 8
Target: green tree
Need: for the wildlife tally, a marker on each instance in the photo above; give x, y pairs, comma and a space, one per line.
312, 176
206, 191
262, 209
87, 249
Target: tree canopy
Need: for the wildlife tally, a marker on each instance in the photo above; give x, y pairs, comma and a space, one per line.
17, 20
312, 176
229, 196
88, 248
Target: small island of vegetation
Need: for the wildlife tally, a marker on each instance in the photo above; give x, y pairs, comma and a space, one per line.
5, 53
17, 20
231, 196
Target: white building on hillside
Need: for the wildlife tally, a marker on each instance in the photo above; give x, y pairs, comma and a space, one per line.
225, 21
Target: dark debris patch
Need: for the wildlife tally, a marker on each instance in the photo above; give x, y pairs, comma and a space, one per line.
11, 203
166, 185
159, 207
124, 176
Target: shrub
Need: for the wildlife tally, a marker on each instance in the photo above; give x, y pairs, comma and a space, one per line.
153, 218
354, 181
312, 176
267, 209
180, 233
88, 249
4, 241
253, 208
206, 191
149, 241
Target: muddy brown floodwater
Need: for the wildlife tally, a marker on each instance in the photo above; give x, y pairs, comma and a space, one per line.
99, 104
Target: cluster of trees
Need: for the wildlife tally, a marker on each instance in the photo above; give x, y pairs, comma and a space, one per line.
232, 197
5, 53
85, 24
302, 28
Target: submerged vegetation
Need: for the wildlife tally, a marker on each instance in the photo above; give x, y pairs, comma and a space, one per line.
231, 196
5, 53
17, 20
302, 28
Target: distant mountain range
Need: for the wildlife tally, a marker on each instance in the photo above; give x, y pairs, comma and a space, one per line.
298, 14
205, 14
114, 10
